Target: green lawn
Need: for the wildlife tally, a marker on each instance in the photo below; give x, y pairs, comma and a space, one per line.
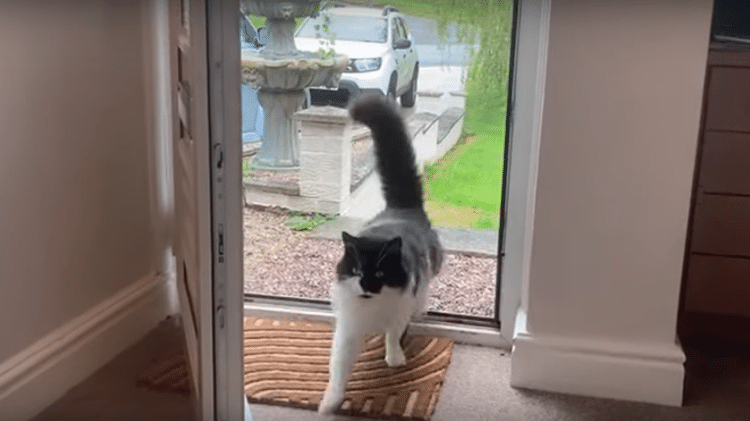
463, 189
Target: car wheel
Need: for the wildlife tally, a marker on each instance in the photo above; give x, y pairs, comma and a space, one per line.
391, 94
409, 98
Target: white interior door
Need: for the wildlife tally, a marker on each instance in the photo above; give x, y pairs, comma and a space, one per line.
207, 148
192, 237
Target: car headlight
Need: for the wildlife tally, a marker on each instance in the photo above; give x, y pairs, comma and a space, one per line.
364, 64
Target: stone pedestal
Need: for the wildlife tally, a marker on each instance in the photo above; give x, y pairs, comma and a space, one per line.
325, 135
281, 36
282, 72
279, 148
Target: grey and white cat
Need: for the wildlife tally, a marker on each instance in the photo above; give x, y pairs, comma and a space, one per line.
384, 275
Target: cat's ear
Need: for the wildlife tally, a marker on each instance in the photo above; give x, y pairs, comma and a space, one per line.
350, 247
348, 238
350, 241
391, 247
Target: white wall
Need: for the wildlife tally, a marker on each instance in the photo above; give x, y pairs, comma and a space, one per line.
74, 180
619, 132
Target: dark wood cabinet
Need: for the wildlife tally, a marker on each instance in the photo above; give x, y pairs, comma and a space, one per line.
716, 287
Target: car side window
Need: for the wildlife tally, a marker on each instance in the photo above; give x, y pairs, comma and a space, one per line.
404, 28
396, 31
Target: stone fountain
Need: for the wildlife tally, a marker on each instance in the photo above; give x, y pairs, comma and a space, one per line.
281, 73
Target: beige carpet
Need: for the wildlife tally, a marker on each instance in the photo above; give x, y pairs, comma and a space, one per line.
717, 385
286, 363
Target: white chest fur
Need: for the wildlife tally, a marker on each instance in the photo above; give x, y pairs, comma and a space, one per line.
376, 314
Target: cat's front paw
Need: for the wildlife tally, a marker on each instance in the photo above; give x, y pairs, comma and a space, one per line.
330, 403
395, 358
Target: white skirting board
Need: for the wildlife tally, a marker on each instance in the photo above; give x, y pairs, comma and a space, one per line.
652, 373
42, 373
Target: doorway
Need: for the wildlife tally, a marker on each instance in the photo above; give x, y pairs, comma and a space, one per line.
458, 123
226, 169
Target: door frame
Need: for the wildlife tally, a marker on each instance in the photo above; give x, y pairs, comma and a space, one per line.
526, 105
524, 129
225, 134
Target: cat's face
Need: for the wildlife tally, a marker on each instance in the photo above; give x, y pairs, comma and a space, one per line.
372, 265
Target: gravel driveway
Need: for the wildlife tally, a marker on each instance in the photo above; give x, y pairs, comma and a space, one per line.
279, 261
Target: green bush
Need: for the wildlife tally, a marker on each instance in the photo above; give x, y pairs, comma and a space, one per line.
247, 168
308, 222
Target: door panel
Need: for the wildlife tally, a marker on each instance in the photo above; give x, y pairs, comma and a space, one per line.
400, 54
724, 167
721, 225
192, 246
709, 279
728, 105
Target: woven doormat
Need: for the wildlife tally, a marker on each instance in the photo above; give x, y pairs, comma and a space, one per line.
167, 373
286, 363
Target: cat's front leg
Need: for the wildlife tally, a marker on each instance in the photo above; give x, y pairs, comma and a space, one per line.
394, 354
331, 401
346, 346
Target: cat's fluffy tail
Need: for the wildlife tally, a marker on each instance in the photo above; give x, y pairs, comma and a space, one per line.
397, 165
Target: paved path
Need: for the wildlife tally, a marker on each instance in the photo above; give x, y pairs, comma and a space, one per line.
444, 79
439, 88
480, 242
436, 52
368, 200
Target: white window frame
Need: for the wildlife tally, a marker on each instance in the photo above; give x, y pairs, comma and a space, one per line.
527, 104
230, 402
530, 56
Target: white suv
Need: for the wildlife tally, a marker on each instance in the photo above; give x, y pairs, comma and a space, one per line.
382, 57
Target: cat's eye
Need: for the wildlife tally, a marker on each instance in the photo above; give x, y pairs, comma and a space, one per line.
356, 272
379, 274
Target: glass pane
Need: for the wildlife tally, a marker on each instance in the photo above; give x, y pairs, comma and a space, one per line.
454, 104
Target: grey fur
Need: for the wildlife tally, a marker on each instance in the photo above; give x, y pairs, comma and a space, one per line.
404, 216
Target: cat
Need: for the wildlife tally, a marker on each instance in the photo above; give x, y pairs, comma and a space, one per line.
384, 274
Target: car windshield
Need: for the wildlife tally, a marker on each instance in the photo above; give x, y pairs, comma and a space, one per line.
347, 28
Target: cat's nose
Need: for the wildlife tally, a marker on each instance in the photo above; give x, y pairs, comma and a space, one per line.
369, 288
